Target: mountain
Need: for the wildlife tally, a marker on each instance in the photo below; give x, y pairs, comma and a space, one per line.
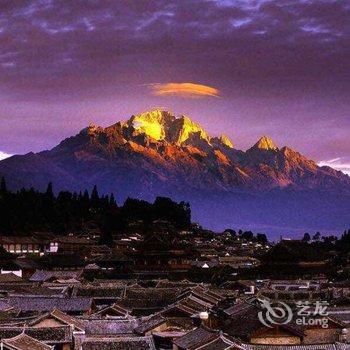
156, 153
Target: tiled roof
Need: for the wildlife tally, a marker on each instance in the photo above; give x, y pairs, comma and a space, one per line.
143, 298
177, 284
115, 308
62, 334
73, 240
340, 313
195, 304
4, 305
18, 240
25, 342
111, 327
43, 275
9, 317
97, 291
149, 323
221, 343
204, 294
63, 317
178, 307
63, 260
10, 278
243, 321
206, 297
48, 304
14, 290
336, 346
26, 263
124, 343
196, 338
78, 324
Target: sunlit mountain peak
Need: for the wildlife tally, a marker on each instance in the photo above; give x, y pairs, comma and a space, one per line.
265, 143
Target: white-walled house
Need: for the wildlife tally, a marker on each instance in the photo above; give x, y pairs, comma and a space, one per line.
26, 244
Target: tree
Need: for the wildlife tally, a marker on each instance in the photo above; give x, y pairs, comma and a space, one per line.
86, 196
307, 237
108, 226
4, 255
248, 235
316, 236
3, 187
94, 197
231, 232
177, 213
261, 238
49, 192
112, 199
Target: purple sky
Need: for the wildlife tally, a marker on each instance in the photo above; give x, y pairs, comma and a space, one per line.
282, 68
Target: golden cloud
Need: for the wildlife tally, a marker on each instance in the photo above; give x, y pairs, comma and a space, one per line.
186, 90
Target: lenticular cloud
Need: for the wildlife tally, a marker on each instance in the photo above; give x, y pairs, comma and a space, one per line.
186, 90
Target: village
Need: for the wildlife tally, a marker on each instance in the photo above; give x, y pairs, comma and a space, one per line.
191, 289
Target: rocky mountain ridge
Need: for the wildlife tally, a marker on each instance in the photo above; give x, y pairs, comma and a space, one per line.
163, 151
156, 153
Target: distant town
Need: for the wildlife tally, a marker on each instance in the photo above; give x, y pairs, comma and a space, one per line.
80, 272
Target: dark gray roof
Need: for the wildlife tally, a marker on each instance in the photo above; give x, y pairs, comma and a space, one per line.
340, 313
221, 343
75, 322
62, 334
43, 304
44, 275
25, 342
98, 291
10, 278
111, 327
4, 305
196, 338
14, 290
149, 323
148, 297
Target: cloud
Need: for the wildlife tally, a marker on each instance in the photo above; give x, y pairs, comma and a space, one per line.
342, 164
185, 90
4, 155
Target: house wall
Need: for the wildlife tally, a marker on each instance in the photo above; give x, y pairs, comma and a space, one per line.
276, 340
22, 248
53, 247
48, 322
17, 273
160, 328
321, 335
274, 336
79, 338
66, 346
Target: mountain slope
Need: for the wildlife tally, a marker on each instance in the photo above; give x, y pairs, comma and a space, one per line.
155, 153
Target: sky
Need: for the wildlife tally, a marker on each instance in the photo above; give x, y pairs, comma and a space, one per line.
244, 68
